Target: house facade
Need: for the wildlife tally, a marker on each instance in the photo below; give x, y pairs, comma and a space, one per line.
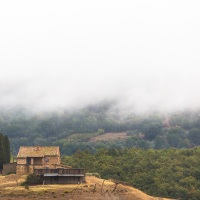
37, 157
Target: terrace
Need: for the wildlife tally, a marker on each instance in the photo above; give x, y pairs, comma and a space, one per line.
60, 175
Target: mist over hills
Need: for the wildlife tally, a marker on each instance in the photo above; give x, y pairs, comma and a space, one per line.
82, 135
88, 128
75, 73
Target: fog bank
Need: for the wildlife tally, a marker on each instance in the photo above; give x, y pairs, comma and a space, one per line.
58, 55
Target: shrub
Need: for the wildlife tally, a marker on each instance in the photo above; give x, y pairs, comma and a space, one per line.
93, 174
31, 179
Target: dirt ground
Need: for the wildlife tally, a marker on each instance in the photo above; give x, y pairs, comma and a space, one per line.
110, 136
94, 189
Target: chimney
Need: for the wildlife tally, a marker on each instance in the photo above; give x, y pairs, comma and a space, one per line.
37, 148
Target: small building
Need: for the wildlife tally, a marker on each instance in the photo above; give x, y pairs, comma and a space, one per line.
60, 175
37, 157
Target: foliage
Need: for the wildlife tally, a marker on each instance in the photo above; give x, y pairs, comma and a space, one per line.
4, 150
93, 174
31, 179
172, 173
72, 130
194, 136
167, 172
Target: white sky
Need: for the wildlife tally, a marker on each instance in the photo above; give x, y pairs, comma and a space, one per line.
56, 54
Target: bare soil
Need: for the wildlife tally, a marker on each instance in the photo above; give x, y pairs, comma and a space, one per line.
110, 136
94, 189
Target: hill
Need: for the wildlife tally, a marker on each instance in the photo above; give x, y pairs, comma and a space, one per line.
10, 189
100, 126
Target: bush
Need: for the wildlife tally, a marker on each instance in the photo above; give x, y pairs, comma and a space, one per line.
93, 174
31, 179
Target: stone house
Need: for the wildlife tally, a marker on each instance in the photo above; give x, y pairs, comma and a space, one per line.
45, 163
37, 157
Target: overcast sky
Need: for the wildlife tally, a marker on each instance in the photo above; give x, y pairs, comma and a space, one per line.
57, 54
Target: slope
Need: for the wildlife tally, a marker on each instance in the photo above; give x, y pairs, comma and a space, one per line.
94, 188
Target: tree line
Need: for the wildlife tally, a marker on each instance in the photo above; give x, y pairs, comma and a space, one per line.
4, 150
170, 173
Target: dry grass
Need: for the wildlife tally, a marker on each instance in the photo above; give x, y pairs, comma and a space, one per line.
110, 136
10, 189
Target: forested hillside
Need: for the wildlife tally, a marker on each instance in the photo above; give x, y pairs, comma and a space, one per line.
154, 152
73, 130
172, 173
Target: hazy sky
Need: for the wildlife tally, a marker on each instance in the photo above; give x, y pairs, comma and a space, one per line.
56, 54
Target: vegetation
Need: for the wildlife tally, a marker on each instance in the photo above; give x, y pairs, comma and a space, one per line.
172, 173
73, 130
164, 160
4, 150
31, 179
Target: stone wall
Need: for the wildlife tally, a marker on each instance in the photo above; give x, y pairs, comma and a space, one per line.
47, 162
9, 168
21, 161
30, 169
22, 169
54, 161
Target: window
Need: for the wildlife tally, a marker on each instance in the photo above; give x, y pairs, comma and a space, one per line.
37, 161
28, 161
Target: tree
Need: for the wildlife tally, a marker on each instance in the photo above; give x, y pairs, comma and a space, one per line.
161, 142
152, 129
1, 152
4, 150
7, 149
194, 136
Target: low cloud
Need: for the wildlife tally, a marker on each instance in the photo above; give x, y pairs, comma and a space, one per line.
68, 55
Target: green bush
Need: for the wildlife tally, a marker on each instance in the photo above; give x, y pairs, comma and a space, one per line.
93, 174
31, 179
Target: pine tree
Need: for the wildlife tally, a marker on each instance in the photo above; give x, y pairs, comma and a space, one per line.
4, 150
1, 152
7, 149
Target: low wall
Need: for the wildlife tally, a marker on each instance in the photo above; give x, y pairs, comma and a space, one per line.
9, 168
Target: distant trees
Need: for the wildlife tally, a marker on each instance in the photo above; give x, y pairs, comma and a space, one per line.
194, 136
172, 173
152, 129
4, 150
73, 130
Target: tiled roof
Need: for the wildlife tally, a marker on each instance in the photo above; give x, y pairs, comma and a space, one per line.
38, 151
